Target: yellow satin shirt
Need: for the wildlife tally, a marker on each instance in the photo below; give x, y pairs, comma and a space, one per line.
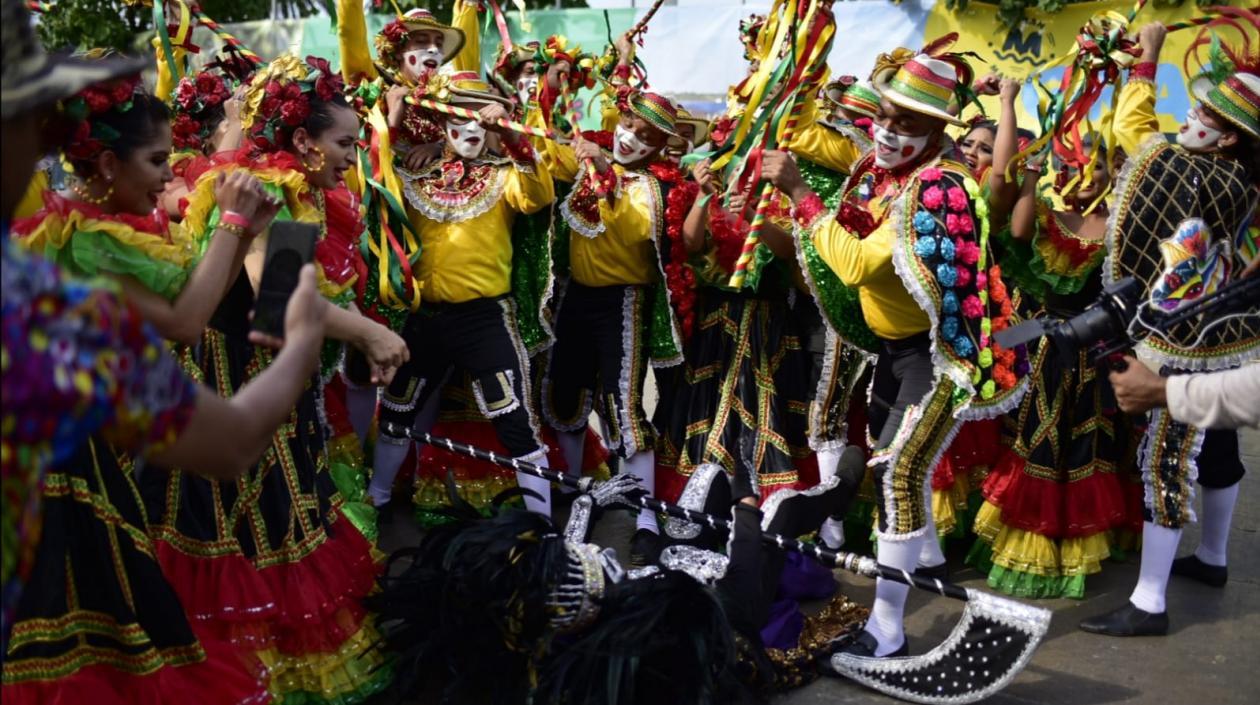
822, 145
472, 259
1136, 122
624, 253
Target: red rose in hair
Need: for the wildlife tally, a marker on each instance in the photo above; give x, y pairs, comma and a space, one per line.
274, 88
395, 31
294, 112
207, 84
122, 91
97, 101
186, 94
292, 92
269, 106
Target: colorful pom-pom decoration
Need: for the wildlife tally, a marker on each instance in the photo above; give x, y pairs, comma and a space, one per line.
957, 199
929, 175
963, 346
933, 197
949, 303
946, 275
949, 327
925, 246
947, 249
924, 223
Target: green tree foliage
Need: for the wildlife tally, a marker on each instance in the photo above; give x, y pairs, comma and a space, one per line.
113, 24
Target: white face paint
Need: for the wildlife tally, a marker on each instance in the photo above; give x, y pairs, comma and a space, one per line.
628, 148
417, 61
468, 139
1196, 136
525, 86
893, 149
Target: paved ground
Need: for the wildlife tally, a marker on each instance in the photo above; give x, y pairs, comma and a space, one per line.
1210, 657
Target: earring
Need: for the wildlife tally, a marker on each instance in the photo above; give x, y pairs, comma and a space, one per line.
85, 194
322, 160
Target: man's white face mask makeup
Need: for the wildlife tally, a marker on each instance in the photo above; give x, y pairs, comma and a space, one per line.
417, 61
1196, 136
467, 139
628, 148
525, 86
893, 149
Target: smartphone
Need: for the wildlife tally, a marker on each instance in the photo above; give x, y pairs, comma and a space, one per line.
290, 245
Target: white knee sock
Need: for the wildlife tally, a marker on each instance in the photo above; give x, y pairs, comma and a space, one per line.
572, 445
1159, 546
361, 407
391, 452
1217, 513
389, 456
930, 554
832, 530
542, 503
643, 466
886, 620
828, 462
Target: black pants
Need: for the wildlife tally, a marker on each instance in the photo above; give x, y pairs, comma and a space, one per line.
911, 417
478, 337
600, 356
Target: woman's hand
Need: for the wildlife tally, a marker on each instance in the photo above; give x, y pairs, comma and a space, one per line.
241, 192
705, 178
988, 85
1008, 88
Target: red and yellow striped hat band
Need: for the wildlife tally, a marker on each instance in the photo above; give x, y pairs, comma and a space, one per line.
923, 84
657, 110
1237, 99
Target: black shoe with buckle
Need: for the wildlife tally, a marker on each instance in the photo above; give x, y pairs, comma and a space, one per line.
1191, 567
1128, 621
645, 548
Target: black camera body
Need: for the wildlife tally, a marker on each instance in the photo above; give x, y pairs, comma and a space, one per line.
1106, 327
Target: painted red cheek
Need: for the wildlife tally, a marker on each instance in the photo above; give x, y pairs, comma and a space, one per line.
454, 134
1202, 134
411, 60
907, 151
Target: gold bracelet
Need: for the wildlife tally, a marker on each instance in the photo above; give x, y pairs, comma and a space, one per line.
234, 229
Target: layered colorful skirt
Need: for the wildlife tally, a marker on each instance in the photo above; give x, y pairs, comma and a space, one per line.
270, 562
740, 399
1062, 497
100, 623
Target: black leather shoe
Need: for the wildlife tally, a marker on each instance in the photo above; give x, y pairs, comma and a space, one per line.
384, 514
1127, 621
865, 645
1191, 567
645, 548
939, 571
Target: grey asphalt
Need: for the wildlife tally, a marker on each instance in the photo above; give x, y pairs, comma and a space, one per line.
1212, 655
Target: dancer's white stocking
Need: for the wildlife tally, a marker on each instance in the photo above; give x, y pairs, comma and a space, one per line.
643, 466
1159, 546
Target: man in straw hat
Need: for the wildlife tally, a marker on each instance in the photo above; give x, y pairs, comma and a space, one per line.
911, 235
1182, 225
613, 313
463, 208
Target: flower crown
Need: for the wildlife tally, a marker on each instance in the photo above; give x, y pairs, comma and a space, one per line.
196, 98
91, 136
390, 42
279, 98
556, 48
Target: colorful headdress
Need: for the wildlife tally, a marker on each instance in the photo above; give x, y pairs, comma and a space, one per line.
279, 99
197, 105
1229, 83
582, 65
851, 94
459, 87
91, 136
749, 32
393, 36
657, 110
933, 82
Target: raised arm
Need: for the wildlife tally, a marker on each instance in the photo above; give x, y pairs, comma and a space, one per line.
464, 17
1003, 193
183, 319
251, 417
1136, 121
352, 40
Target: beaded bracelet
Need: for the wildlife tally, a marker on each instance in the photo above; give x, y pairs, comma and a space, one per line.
233, 228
